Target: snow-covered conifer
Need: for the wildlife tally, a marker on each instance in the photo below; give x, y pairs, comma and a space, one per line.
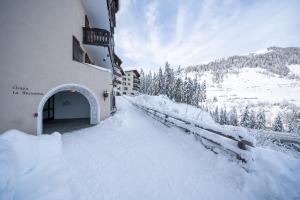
261, 120
277, 124
245, 121
233, 118
252, 120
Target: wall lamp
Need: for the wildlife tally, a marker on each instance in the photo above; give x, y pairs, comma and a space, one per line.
105, 94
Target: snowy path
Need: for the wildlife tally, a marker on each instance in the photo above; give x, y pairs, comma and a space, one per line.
131, 156
138, 158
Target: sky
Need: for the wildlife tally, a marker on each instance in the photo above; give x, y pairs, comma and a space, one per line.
189, 32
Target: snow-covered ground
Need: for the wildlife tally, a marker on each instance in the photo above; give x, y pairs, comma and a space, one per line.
295, 69
255, 87
131, 156
199, 116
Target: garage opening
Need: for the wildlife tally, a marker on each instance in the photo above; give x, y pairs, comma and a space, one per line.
67, 108
66, 111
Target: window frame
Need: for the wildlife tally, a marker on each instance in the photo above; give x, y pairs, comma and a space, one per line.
76, 47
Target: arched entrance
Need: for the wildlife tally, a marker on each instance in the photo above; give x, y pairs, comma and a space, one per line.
80, 95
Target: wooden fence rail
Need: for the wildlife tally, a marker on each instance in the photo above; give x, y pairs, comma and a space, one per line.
243, 146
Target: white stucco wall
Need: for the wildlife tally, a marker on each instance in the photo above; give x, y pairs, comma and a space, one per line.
36, 56
71, 105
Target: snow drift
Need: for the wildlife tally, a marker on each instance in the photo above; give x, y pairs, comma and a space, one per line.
130, 156
189, 113
32, 167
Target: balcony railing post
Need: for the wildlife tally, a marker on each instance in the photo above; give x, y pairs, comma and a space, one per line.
96, 36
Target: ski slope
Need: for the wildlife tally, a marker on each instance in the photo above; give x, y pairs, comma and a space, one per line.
255, 87
131, 156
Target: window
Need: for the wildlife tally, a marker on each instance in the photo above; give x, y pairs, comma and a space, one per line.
87, 22
125, 88
87, 59
124, 79
77, 50
124, 93
128, 83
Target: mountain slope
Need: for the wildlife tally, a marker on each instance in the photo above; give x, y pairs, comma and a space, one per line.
268, 80
274, 60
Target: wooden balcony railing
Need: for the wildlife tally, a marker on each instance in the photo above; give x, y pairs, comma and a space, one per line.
116, 82
96, 36
117, 74
136, 87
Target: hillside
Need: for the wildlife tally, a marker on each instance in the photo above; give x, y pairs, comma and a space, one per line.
274, 59
268, 80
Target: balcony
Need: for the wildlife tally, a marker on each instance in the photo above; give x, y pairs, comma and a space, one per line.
116, 82
135, 80
117, 74
96, 36
136, 87
95, 40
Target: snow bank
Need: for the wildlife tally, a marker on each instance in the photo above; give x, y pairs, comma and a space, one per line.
164, 104
32, 167
8, 170
276, 175
132, 157
189, 113
295, 69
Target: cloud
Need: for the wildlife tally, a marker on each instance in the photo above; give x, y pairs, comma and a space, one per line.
151, 32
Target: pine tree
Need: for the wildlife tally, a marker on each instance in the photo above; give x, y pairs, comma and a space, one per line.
223, 117
169, 81
149, 83
195, 96
155, 84
142, 81
203, 92
184, 91
165, 75
252, 120
189, 91
233, 118
161, 81
261, 120
277, 125
216, 115
245, 121
178, 90
293, 122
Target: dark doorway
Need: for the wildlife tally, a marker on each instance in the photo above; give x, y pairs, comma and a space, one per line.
66, 111
48, 110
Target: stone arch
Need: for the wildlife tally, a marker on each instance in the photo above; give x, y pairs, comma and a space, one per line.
86, 92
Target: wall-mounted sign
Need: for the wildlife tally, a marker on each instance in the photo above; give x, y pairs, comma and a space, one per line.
21, 90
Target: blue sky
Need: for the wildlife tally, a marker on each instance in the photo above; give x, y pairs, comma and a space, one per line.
189, 32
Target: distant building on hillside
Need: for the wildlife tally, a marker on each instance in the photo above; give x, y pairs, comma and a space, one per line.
56, 64
131, 83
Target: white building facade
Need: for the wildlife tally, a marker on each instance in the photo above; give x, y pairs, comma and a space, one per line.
56, 62
131, 83
118, 74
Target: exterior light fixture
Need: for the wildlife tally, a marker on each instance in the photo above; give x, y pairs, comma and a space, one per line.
105, 94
